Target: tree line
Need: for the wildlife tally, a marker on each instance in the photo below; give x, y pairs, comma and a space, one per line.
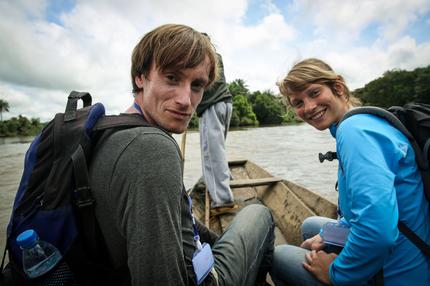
395, 87
256, 108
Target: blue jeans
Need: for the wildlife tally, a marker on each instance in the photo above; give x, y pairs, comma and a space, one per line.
287, 268
244, 252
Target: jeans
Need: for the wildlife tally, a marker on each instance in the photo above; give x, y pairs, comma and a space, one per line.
287, 268
243, 254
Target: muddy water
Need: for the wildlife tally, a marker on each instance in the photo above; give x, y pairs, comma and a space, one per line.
290, 152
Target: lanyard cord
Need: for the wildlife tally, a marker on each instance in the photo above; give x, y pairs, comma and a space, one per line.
138, 108
196, 232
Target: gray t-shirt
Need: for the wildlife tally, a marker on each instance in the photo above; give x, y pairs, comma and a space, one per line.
141, 207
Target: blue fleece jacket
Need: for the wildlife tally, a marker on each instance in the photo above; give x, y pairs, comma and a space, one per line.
379, 182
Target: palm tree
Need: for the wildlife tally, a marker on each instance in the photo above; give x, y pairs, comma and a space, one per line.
4, 106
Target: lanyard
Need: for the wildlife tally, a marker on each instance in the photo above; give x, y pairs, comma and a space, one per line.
196, 232
138, 108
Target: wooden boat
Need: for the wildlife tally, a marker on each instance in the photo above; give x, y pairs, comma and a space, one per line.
290, 203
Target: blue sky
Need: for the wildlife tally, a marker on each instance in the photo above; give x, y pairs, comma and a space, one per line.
49, 48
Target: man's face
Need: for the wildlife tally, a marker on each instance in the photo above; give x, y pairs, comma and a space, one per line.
170, 97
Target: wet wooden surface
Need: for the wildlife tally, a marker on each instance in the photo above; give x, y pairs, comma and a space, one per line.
290, 203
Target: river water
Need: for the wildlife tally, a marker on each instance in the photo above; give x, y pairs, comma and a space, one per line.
290, 152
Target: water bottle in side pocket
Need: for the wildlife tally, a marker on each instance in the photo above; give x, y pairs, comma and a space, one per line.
43, 262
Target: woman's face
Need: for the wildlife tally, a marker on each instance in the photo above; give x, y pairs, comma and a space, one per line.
318, 106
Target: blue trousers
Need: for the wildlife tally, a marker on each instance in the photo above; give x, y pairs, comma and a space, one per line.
287, 268
244, 252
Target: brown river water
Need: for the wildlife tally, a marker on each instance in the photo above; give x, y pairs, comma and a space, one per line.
290, 152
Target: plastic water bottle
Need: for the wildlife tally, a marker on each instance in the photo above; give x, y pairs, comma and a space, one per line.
40, 257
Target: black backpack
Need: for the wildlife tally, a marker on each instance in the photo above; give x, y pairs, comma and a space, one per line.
413, 120
54, 196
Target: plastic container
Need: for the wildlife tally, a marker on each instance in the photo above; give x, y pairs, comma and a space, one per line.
40, 258
335, 233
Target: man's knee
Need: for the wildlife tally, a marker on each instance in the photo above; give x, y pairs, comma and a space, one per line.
257, 211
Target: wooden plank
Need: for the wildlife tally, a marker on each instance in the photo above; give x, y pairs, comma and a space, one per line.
207, 208
254, 182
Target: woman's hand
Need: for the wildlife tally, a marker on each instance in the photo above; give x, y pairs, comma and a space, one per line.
314, 243
318, 263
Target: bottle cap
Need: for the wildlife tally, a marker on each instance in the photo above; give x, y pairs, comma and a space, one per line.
27, 238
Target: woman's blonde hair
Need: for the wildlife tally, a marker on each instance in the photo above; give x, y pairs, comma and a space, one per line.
312, 70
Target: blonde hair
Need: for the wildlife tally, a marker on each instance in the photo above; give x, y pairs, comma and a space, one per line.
312, 70
172, 46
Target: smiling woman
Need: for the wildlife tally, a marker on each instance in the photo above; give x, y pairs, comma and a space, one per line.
379, 185
318, 95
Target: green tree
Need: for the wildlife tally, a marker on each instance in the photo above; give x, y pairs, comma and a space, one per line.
267, 107
290, 116
422, 85
238, 87
20, 126
242, 110
397, 87
4, 107
194, 122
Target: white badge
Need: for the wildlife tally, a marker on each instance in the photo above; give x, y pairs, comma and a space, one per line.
203, 261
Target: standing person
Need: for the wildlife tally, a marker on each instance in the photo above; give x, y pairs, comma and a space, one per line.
142, 207
379, 184
214, 112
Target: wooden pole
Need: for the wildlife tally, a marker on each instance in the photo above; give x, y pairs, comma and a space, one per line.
183, 144
207, 202
207, 210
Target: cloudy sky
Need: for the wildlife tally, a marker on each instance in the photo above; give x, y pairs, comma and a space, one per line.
50, 47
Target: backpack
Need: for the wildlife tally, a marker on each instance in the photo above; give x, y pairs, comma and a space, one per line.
413, 120
54, 196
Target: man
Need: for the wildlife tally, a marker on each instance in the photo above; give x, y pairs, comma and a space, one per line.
142, 207
215, 112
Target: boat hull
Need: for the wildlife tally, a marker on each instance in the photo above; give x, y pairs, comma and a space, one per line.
289, 203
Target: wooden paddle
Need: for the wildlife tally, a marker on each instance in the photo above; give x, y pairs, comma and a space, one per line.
207, 202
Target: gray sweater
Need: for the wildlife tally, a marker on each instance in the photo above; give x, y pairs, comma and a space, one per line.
141, 207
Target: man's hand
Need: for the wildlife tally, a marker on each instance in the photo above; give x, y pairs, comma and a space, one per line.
318, 263
314, 243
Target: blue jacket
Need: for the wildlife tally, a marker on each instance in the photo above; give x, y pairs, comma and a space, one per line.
379, 183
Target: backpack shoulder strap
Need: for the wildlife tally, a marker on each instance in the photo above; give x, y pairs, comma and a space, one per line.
387, 115
118, 121
412, 236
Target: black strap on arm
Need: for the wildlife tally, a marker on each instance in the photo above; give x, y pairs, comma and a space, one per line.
378, 279
412, 236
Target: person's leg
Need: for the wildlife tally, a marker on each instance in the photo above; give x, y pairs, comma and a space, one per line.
216, 173
287, 267
311, 226
243, 254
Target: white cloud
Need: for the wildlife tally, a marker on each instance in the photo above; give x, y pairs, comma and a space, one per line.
348, 19
41, 62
